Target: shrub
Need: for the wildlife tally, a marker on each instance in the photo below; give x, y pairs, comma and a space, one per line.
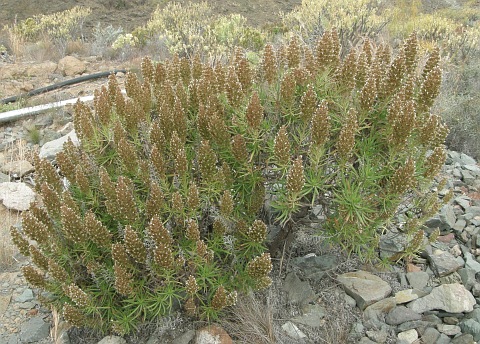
353, 20
193, 29
59, 27
161, 203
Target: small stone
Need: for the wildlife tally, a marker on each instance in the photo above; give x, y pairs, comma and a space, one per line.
18, 168
364, 287
401, 314
449, 330
446, 238
430, 336
468, 277
377, 311
16, 196
443, 263
407, 295
4, 178
112, 340
50, 149
450, 320
26, 296
418, 279
459, 225
297, 290
408, 336
185, 338
34, 330
292, 331
471, 262
476, 289
212, 334
71, 66
312, 316
377, 336
413, 268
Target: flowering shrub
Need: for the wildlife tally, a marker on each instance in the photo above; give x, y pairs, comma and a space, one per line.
161, 205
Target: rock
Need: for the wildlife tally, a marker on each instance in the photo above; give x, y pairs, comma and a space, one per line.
463, 201
430, 336
212, 334
407, 295
366, 340
112, 340
379, 336
418, 280
468, 277
364, 287
376, 312
312, 314
470, 326
459, 225
185, 338
467, 177
463, 339
475, 315
408, 336
452, 298
474, 211
34, 330
297, 290
391, 243
50, 149
292, 331
26, 296
70, 66
443, 263
401, 314
447, 217
4, 178
17, 168
314, 267
17, 196
449, 330
471, 262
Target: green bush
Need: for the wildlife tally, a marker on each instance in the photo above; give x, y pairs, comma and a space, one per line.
194, 28
162, 202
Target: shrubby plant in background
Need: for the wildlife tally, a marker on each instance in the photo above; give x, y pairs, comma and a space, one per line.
59, 28
163, 205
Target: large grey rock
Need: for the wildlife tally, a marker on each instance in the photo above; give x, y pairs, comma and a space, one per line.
50, 149
298, 291
364, 287
392, 243
16, 196
34, 330
443, 263
112, 340
401, 314
453, 298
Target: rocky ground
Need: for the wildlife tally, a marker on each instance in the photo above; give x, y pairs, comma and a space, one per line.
318, 295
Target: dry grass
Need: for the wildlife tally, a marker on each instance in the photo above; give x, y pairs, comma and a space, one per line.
251, 321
